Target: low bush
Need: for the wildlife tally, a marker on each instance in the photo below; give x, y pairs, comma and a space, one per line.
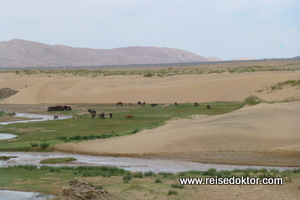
44, 145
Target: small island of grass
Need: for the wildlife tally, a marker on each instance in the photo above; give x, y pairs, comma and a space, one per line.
58, 160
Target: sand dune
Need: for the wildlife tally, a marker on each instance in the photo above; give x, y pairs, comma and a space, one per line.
37, 89
261, 127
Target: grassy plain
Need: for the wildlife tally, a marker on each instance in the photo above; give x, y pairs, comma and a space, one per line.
83, 127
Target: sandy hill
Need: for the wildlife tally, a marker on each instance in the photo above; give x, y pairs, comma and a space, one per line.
21, 53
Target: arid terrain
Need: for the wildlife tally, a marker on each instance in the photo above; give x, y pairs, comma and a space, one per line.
263, 134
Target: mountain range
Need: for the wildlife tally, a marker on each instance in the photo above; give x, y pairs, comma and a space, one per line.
22, 53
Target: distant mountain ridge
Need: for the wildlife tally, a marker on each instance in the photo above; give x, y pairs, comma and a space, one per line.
22, 53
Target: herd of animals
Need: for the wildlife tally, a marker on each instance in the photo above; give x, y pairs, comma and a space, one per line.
93, 113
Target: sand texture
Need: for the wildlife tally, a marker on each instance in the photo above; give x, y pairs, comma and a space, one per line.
45, 89
263, 130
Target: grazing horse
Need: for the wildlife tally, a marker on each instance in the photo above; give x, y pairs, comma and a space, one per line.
129, 117
55, 117
208, 106
176, 104
92, 112
196, 104
102, 115
110, 115
166, 106
153, 104
119, 103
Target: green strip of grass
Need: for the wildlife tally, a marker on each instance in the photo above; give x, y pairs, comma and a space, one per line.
33, 136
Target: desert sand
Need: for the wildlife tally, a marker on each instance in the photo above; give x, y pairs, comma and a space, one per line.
42, 89
265, 134
251, 132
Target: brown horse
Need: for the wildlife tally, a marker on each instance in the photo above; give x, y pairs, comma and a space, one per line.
129, 117
55, 117
119, 103
208, 106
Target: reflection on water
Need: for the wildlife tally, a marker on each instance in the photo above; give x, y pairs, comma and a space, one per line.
5, 136
37, 117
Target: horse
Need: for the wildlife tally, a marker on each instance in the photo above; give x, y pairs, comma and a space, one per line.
55, 117
166, 106
119, 103
129, 117
92, 112
208, 106
196, 104
176, 104
50, 108
153, 104
102, 115
110, 115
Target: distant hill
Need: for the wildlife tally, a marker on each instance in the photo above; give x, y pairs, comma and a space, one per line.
22, 53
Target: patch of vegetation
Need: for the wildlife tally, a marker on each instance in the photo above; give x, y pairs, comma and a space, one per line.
280, 85
172, 192
58, 160
252, 100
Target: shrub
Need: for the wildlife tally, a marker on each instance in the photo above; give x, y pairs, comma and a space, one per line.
252, 100
149, 173
210, 172
158, 180
61, 138
44, 145
34, 144
127, 178
149, 74
171, 192
177, 186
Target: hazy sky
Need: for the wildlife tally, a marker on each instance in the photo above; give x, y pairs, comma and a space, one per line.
225, 29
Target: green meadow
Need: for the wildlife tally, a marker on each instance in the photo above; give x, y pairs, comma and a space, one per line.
41, 136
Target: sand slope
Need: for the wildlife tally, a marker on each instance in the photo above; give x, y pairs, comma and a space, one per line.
262, 128
36, 89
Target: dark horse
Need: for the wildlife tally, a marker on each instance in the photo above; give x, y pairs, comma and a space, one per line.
208, 106
196, 104
119, 103
102, 115
55, 117
153, 104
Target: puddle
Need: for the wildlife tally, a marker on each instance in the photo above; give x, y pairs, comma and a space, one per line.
5, 136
